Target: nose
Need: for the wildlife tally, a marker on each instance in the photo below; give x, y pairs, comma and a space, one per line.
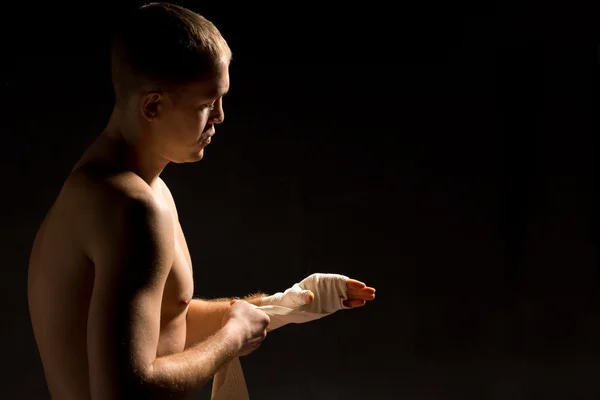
218, 115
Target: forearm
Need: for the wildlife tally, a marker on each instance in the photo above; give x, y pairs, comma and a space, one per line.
204, 317
208, 348
180, 375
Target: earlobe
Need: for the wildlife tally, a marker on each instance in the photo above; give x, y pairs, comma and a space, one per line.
150, 105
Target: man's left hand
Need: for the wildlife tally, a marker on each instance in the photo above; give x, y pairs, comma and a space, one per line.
358, 293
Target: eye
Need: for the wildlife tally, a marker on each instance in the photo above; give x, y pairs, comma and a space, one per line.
209, 107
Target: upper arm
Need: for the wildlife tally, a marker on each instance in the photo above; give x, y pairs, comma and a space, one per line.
132, 253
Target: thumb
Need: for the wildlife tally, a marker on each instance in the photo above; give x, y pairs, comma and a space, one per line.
307, 296
296, 296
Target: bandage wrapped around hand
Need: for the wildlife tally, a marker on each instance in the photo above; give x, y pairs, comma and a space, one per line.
330, 291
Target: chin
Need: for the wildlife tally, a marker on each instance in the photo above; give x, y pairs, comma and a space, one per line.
190, 158
196, 156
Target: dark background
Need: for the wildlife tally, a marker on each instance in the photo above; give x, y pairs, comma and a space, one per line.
442, 154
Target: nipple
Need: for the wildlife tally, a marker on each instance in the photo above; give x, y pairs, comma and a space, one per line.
185, 302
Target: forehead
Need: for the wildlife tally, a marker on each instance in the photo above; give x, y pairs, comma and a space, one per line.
212, 87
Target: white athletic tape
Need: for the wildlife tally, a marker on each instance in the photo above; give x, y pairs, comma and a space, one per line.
283, 308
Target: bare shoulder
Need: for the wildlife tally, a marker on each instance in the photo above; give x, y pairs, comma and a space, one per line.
111, 202
101, 192
95, 183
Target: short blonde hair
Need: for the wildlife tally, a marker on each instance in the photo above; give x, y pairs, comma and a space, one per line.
164, 45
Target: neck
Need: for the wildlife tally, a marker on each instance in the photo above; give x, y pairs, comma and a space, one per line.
135, 149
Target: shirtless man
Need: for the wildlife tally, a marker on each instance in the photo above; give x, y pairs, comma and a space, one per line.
110, 278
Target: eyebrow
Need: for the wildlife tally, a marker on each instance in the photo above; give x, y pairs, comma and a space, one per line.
221, 93
214, 94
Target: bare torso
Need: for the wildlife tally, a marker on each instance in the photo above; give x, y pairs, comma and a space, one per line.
61, 280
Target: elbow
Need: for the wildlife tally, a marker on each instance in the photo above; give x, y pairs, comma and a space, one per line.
145, 375
134, 383
151, 384
145, 384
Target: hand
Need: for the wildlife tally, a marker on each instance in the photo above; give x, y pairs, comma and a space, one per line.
247, 324
358, 294
354, 293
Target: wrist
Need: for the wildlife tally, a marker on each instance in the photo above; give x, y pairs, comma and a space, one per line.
256, 299
231, 337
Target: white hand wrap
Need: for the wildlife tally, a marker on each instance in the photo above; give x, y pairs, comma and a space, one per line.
330, 291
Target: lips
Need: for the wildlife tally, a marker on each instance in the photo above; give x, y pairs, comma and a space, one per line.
207, 136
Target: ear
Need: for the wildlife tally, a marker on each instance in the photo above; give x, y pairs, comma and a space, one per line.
151, 105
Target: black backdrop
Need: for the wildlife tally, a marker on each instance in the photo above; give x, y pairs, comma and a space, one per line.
440, 153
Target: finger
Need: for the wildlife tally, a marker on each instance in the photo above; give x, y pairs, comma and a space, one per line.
364, 294
367, 290
364, 288
362, 298
354, 303
354, 284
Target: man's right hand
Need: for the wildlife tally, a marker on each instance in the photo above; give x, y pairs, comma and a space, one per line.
247, 324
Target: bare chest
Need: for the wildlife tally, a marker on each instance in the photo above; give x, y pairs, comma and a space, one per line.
178, 290
179, 287
177, 294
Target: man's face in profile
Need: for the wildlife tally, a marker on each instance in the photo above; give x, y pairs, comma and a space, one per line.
185, 120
